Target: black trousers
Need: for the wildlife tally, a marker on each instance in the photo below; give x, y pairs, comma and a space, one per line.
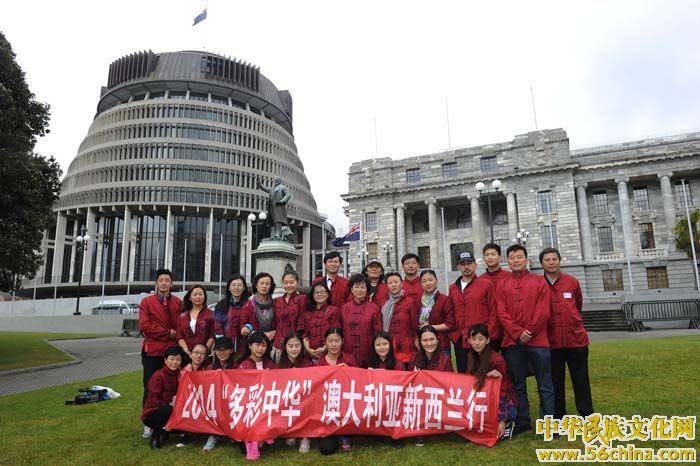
157, 419
577, 360
460, 356
150, 365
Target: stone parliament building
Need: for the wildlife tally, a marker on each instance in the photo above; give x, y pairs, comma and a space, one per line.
600, 206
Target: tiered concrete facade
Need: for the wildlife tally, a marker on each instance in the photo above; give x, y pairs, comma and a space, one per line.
604, 204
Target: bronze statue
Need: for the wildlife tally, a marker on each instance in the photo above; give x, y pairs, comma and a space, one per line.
277, 220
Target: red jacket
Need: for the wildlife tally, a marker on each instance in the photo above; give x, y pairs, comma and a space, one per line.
162, 387
380, 295
359, 323
301, 363
250, 317
442, 313
156, 319
507, 392
476, 304
523, 303
236, 319
340, 291
314, 324
203, 329
495, 277
565, 326
403, 328
439, 362
413, 289
397, 367
344, 358
250, 364
287, 316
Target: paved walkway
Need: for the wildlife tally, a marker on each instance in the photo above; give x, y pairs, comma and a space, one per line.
101, 357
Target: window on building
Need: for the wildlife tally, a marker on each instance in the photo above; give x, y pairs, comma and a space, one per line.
157, 95
549, 236
488, 164
413, 175
545, 202
646, 236
612, 280
372, 251
657, 278
370, 221
500, 218
641, 198
600, 203
605, 239
199, 96
680, 197
463, 219
449, 170
177, 94
456, 249
420, 221
424, 256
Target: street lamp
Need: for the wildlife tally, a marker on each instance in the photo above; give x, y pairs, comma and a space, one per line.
388, 247
252, 221
480, 187
81, 242
363, 256
522, 236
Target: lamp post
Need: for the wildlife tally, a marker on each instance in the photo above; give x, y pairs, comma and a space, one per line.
690, 235
388, 247
363, 256
81, 242
521, 236
252, 222
480, 187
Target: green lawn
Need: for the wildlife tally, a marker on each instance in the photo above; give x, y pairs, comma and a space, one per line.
645, 377
20, 349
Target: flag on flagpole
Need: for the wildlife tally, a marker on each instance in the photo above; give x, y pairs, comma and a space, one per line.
353, 234
200, 17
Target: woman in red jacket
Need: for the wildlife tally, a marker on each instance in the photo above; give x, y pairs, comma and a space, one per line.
287, 309
400, 319
228, 314
293, 356
436, 310
319, 316
162, 388
259, 314
382, 354
377, 291
194, 324
359, 320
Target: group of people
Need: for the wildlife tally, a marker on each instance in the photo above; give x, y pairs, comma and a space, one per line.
505, 324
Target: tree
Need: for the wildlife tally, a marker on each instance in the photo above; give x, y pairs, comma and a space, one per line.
680, 230
29, 182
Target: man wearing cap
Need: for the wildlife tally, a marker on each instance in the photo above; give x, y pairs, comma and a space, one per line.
474, 302
337, 285
377, 293
158, 315
568, 338
522, 302
410, 263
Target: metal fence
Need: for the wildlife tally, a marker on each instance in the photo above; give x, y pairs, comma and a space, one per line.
636, 313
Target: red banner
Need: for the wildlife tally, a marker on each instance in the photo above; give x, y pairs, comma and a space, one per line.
332, 400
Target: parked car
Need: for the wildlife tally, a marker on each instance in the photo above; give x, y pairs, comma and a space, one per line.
115, 307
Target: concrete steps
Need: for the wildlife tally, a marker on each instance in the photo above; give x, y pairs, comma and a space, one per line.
604, 317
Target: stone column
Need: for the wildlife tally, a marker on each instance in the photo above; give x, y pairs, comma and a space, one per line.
512, 215
432, 226
243, 245
476, 224
669, 208
132, 251
58, 247
100, 251
400, 232
626, 218
169, 238
584, 223
306, 256
208, 247
90, 246
126, 240
73, 251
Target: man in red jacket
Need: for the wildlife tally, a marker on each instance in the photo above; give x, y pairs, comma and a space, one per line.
410, 263
568, 338
337, 285
474, 302
158, 321
523, 304
491, 253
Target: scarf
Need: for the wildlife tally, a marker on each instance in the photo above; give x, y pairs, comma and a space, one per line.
388, 309
264, 314
427, 302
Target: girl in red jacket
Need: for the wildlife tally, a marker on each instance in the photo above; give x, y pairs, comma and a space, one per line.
228, 313
293, 356
162, 388
257, 356
319, 316
194, 324
429, 356
382, 354
436, 310
482, 362
287, 309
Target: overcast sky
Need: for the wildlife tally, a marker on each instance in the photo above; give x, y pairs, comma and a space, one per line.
604, 71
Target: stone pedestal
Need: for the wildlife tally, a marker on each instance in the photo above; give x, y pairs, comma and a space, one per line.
273, 256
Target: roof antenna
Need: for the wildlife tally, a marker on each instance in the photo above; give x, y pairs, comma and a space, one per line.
534, 112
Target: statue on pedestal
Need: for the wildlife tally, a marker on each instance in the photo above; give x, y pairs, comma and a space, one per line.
279, 196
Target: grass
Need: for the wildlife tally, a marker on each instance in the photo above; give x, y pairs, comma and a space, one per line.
20, 349
646, 377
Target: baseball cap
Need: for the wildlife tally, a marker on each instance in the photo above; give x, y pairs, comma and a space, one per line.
375, 261
465, 257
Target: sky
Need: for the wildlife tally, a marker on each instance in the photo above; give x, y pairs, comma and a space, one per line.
605, 71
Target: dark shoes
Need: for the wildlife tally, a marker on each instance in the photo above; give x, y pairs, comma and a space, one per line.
520, 428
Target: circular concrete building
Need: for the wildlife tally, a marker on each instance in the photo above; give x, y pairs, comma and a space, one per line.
166, 176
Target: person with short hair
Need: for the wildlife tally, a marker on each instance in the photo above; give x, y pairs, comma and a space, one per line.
377, 291
474, 302
400, 319
491, 254
336, 283
359, 319
194, 324
523, 305
162, 388
410, 263
158, 315
287, 309
568, 338
319, 316
436, 309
